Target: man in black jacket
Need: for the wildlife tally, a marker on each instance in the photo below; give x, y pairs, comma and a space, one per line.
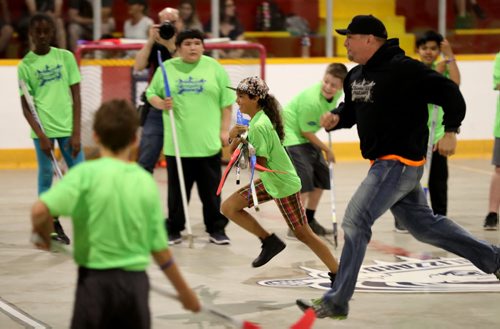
386, 96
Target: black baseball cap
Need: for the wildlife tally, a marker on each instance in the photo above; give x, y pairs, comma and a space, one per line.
365, 24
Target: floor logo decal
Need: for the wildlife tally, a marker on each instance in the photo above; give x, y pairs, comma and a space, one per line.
406, 276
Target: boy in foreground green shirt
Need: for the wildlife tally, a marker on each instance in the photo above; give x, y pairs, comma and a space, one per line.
117, 225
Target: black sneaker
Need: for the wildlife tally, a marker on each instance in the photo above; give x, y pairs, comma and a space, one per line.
491, 222
321, 310
219, 238
271, 246
332, 278
174, 238
319, 229
478, 11
59, 234
497, 273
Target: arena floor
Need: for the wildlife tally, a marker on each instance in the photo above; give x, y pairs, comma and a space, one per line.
36, 288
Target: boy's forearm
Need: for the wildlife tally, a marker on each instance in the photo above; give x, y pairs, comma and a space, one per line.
77, 109
165, 259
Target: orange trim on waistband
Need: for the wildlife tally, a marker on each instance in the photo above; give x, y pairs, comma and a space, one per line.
406, 161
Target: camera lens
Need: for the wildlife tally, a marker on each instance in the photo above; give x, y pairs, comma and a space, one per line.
167, 30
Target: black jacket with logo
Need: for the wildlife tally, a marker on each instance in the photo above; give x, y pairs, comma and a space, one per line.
387, 98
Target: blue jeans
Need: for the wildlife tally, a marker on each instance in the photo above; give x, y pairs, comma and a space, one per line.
45, 169
151, 140
393, 185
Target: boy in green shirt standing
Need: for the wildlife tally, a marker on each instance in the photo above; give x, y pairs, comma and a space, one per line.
53, 79
491, 220
118, 224
301, 117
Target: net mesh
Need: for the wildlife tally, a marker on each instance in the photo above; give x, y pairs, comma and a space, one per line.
107, 75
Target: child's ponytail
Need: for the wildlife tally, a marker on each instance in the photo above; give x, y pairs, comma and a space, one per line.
272, 109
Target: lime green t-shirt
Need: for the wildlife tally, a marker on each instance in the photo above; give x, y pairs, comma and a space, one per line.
439, 129
48, 78
263, 136
199, 91
116, 211
303, 112
496, 81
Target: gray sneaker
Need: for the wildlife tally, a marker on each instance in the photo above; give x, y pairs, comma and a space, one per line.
321, 310
319, 229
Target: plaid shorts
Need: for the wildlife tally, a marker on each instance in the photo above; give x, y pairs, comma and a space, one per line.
290, 207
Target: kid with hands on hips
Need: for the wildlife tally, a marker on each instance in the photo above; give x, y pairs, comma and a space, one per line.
118, 224
266, 133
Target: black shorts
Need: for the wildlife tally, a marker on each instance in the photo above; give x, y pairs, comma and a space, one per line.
111, 299
311, 166
496, 153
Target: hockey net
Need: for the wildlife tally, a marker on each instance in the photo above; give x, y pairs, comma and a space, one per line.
107, 73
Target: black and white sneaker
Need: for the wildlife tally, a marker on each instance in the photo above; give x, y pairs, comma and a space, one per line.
491, 222
219, 238
319, 229
321, 310
59, 234
174, 238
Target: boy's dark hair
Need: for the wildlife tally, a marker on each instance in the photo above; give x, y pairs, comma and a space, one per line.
188, 34
115, 123
40, 17
337, 70
429, 36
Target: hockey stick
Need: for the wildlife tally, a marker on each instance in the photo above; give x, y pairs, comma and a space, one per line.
31, 106
332, 196
59, 248
180, 172
430, 150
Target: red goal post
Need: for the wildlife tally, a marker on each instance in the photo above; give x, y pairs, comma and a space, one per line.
106, 74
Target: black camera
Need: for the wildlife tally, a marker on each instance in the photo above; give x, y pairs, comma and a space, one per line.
167, 30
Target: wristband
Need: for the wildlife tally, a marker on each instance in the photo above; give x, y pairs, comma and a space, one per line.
167, 264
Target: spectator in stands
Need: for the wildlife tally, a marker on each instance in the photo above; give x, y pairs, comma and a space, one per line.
463, 17
6, 29
151, 142
189, 16
80, 15
230, 27
491, 220
138, 24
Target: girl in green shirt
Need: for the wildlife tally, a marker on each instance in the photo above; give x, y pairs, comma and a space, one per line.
282, 184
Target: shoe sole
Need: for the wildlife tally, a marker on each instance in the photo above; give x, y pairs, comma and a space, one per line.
173, 242
303, 304
491, 228
219, 242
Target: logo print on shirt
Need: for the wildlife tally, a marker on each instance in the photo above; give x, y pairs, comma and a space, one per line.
49, 74
362, 91
190, 85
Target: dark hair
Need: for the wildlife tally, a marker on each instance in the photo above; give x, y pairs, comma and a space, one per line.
40, 17
188, 34
337, 70
272, 109
429, 36
115, 123
194, 16
224, 18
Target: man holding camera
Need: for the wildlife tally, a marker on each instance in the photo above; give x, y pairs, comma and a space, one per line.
162, 38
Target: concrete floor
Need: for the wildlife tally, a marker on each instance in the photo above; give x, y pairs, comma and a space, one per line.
36, 288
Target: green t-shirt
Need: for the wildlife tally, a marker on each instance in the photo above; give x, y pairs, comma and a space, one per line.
264, 138
48, 79
199, 91
303, 112
496, 81
116, 211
